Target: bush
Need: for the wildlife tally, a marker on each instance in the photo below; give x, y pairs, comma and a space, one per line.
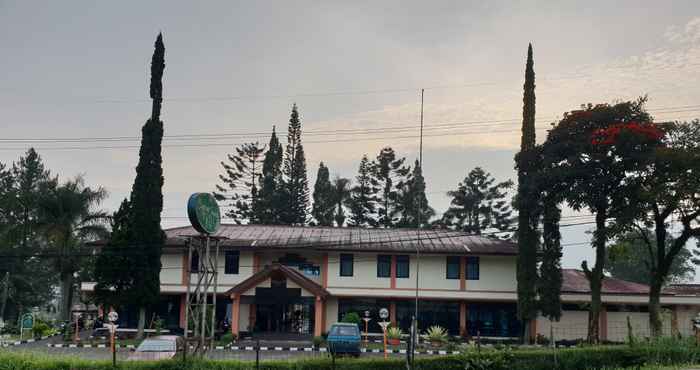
351, 317
227, 338
394, 333
41, 329
437, 334
317, 341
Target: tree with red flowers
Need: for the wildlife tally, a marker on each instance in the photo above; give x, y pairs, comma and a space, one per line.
592, 174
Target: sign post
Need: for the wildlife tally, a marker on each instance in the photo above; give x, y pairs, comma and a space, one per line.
384, 315
367, 319
26, 322
112, 317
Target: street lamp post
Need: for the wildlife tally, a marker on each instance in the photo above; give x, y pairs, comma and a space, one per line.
366, 319
384, 315
112, 317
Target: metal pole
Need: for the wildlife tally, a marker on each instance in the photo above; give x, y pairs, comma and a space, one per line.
203, 262
215, 265
414, 338
187, 296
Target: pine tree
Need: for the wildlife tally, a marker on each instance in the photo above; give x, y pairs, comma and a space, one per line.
526, 203
145, 234
412, 204
269, 205
341, 196
363, 196
241, 183
324, 205
114, 269
294, 171
391, 175
479, 204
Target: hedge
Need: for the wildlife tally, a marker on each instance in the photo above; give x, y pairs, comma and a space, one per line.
527, 359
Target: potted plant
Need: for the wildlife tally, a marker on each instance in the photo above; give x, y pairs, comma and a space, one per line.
393, 335
437, 335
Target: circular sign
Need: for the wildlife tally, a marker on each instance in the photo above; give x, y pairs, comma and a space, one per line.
27, 321
113, 316
384, 313
203, 212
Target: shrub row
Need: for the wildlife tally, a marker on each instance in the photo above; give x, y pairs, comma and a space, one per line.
526, 359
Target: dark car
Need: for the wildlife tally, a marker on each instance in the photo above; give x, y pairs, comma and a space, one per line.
344, 338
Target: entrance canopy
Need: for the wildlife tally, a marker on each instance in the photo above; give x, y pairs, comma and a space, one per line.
276, 271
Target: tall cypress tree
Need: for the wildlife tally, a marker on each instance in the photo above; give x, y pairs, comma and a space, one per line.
324, 205
294, 171
527, 203
412, 204
391, 175
144, 231
269, 203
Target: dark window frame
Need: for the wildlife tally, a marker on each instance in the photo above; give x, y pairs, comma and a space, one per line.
472, 268
383, 260
194, 262
232, 270
347, 265
454, 261
406, 263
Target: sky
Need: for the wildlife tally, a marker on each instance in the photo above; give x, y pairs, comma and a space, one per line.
80, 70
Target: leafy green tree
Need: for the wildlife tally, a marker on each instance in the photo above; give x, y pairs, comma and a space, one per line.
68, 217
666, 182
363, 196
629, 259
412, 203
31, 280
324, 204
296, 189
391, 174
341, 196
593, 176
479, 204
270, 199
241, 182
527, 204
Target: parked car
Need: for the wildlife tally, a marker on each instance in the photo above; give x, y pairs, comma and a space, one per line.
344, 338
161, 347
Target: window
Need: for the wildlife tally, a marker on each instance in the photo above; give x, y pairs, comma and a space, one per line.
346, 264
194, 262
472, 268
453, 267
402, 266
231, 263
383, 266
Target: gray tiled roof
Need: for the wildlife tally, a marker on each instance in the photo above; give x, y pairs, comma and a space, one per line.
349, 239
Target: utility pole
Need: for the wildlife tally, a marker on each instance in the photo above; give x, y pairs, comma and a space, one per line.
414, 334
5, 293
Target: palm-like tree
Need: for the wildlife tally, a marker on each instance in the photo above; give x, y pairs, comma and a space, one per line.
67, 217
341, 194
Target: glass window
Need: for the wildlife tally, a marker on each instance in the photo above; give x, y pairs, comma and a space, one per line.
453, 267
194, 262
493, 320
346, 264
402, 266
231, 266
472, 268
383, 266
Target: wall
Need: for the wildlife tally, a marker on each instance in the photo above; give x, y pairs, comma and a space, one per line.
685, 317
331, 312
496, 273
171, 271
364, 272
245, 268
573, 325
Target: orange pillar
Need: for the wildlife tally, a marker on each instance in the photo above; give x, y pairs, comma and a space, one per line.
392, 313
235, 313
324, 270
462, 273
319, 325
256, 262
463, 319
393, 272
183, 309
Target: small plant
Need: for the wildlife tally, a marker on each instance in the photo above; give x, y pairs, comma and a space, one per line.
393, 335
227, 338
437, 335
317, 341
158, 326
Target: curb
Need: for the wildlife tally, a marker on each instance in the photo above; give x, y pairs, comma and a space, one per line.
25, 341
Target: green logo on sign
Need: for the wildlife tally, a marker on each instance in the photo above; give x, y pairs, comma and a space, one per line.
203, 212
27, 321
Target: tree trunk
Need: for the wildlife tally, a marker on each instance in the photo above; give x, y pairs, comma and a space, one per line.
655, 324
66, 295
526, 332
595, 276
142, 323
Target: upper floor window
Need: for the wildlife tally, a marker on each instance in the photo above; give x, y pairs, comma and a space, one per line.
453, 267
472, 268
231, 262
402, 266
194, 262
383, 266
346, 264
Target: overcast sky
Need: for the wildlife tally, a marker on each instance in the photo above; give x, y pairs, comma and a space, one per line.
80, 70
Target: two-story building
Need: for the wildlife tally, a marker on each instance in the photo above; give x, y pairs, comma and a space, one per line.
300, 280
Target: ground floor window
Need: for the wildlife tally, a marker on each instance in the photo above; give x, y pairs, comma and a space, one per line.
442, 313
493, 319
360, 306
